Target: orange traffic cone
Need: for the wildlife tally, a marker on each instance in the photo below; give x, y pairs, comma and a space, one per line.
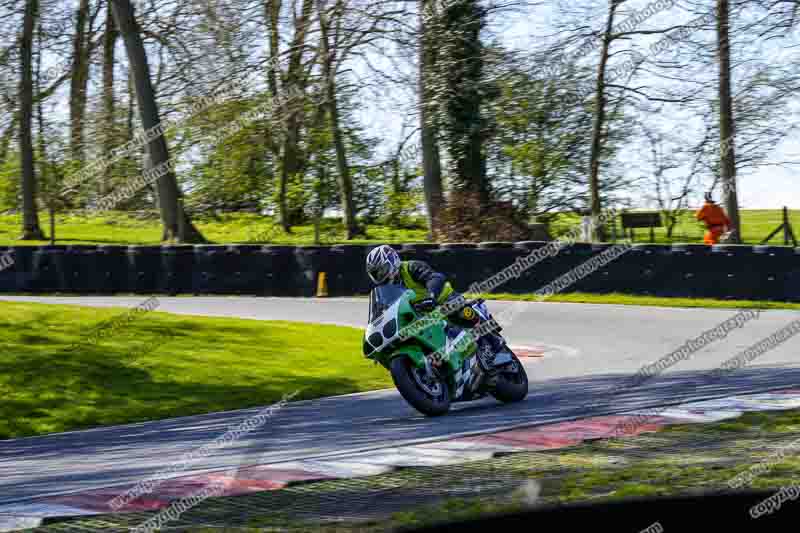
322, 285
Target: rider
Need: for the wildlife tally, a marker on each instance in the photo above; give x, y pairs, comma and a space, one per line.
431, 287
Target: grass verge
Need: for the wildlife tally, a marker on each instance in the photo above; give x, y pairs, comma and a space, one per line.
53, 377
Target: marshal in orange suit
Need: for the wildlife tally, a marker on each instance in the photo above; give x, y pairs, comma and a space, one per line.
715, 219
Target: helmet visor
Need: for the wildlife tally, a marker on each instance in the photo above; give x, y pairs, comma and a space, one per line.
379, 273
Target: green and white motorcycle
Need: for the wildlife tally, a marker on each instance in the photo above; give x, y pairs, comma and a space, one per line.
434, 362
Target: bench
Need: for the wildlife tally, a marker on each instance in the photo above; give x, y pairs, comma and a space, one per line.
641, 220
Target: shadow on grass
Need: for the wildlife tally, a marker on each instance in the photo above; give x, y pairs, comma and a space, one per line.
53, 377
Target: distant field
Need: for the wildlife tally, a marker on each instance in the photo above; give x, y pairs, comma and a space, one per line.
241, 228
238, 228
756, 225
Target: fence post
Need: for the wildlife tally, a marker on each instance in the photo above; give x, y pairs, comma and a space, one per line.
785, 225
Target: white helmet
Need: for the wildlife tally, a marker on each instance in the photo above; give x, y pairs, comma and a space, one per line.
383, 263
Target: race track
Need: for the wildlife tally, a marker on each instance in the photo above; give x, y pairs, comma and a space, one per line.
587, 349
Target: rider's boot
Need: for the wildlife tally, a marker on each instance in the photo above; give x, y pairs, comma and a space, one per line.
497, 342
486, 354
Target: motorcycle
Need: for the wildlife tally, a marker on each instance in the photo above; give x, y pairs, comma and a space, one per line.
434, 362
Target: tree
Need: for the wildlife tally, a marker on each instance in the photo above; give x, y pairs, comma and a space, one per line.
30, 215
459, 92
542, 136
431, 163
81, 50
726, 120
599, 119
176, 223
108, 127
328, 61
293, 88
664, 185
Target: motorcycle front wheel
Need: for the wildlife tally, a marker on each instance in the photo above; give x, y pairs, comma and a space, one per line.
512, 382
424, 392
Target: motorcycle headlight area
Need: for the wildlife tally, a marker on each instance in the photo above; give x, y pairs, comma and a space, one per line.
378, 338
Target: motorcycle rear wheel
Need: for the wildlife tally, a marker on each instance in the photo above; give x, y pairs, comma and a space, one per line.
424, 393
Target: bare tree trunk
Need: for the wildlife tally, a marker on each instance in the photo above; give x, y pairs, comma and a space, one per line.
599, 122
272, 10
44, 171
671, 223
30, 216
726, 123
293, 88
431, 163
343, 169
109, 129
176, 225
79, 81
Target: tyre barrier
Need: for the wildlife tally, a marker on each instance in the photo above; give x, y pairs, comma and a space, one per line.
47, 270
690, 275
80, 265
346, 276
223, 269
491, 258
731, 272
281, 271
209, 274
9, 263
144, 269
450, 258
110, 271
311, 260
537, 275
641, 270
243, 270
417, 251
177, 263
775, 264
680, 270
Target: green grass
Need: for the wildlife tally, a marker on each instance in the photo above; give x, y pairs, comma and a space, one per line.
627, 299
756, 225
141, 372
240, 228
235, 228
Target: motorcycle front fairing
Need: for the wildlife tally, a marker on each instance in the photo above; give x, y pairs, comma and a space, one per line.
390, 332
386, 335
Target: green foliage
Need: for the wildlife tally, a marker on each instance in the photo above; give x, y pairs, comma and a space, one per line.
540, 149
236, 171
401, 207
10, 183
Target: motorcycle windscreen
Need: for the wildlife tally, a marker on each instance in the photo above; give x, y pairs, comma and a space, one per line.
381, 298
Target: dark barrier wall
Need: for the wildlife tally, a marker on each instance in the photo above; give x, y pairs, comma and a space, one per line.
689, 270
